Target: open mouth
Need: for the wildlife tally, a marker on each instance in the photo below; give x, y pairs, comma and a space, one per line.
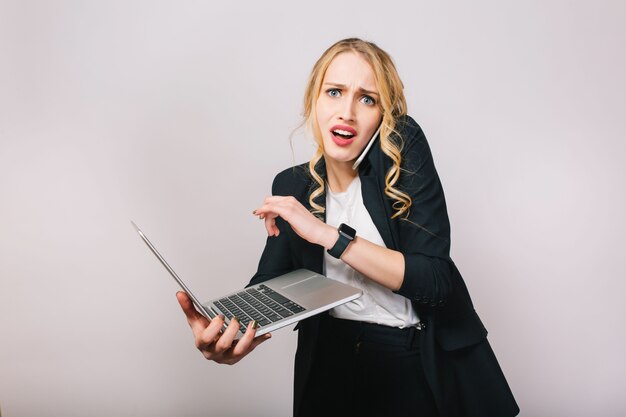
343, 133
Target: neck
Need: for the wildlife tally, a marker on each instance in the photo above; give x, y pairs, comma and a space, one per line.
340, 176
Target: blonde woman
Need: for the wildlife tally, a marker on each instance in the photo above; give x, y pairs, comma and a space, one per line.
412, 345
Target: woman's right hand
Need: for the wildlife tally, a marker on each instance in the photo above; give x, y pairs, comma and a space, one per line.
214, 344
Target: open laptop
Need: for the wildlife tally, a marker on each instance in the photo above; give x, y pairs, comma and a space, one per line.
275, 303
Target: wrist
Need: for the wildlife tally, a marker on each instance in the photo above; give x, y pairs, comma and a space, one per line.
329, 237
346, 236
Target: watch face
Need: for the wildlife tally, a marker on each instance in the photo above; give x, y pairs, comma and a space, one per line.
347, 231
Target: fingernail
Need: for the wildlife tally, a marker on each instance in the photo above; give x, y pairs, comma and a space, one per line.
235, 318
267, 335
253, 211
255, 325
221, 316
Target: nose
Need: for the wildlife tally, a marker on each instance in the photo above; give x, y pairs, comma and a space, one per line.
347, 110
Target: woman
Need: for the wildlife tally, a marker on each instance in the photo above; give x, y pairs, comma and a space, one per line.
412, 344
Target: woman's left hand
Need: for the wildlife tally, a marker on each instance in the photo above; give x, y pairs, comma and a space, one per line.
301, 220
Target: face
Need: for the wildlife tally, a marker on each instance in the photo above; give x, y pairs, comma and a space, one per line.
347, 108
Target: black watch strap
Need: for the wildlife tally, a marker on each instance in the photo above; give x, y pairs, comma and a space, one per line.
346, 235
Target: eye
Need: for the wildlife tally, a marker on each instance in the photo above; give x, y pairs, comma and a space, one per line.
333, 92
368, 100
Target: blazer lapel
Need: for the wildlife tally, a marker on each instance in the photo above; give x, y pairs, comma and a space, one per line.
373, 199
312, 255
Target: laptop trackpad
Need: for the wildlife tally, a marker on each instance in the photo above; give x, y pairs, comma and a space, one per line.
307, 286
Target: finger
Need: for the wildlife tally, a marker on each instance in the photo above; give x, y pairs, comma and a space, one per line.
186, 304
270, 226
241, 348
269, 204
277, 199
188, 308
258, 340
226, 339
285, 207
207, 337
276, 204
269, 217
196, 321
268, 210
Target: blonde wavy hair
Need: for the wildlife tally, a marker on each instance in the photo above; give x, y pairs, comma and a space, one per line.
392, 105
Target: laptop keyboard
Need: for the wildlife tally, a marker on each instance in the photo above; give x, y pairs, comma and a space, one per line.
264, 305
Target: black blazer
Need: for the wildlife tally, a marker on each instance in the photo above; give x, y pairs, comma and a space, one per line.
459, 364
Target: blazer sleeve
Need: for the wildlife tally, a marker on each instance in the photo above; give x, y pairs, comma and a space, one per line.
425, 232
277, 258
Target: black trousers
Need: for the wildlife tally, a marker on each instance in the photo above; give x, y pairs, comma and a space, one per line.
362, 369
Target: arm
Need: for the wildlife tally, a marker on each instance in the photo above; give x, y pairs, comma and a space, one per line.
276, 258
419, 268
219, 345
424, 237
385, 266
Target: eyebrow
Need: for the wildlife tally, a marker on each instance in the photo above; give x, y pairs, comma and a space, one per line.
361, 90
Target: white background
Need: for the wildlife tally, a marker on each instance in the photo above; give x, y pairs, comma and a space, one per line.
177, 114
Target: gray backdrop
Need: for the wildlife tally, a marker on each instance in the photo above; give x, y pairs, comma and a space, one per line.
178, 114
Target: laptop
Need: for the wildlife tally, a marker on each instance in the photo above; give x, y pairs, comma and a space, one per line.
274, 303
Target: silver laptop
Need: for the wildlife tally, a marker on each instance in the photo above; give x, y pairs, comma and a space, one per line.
275, 303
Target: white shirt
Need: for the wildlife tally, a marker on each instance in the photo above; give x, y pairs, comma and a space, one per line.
378, 304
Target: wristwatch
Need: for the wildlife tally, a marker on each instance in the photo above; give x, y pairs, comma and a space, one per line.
346, 235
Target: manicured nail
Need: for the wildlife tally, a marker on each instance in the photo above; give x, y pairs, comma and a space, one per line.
221, 317
235, 318
254, 324
253, 211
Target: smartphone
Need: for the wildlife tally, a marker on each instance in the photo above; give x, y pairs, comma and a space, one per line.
367, 148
